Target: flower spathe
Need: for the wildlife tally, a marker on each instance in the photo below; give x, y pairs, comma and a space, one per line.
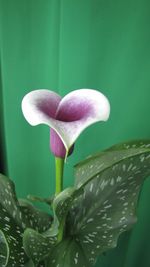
67, 117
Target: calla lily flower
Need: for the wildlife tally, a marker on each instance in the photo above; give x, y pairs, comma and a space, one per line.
67, 117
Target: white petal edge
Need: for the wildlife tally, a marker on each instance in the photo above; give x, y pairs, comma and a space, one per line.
30, 105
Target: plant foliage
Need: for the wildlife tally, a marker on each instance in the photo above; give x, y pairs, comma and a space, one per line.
89, 216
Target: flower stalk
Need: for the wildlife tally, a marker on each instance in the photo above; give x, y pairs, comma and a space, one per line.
59, 169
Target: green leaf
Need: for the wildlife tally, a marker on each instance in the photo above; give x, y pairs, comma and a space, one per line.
11, 223
93, 165
37, 246
62, 201
34, 218
47, 201
112, 181
29, 264
15, 217
61, 204
67, 254
4, 250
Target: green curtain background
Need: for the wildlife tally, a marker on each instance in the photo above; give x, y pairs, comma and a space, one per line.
64, 45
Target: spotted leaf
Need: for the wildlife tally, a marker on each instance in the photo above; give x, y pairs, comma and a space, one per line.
61, 204
4, 250
29, 264
11, 223
37, 246
112, 181
15, 217
34, 218
67, 253
93, 165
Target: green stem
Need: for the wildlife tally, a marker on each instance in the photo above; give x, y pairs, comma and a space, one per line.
59, 164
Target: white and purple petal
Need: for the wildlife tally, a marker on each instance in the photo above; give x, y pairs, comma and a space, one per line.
68, 117
39, 106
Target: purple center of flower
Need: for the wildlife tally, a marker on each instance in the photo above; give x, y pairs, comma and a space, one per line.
69, 115
48, 109
74, 111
